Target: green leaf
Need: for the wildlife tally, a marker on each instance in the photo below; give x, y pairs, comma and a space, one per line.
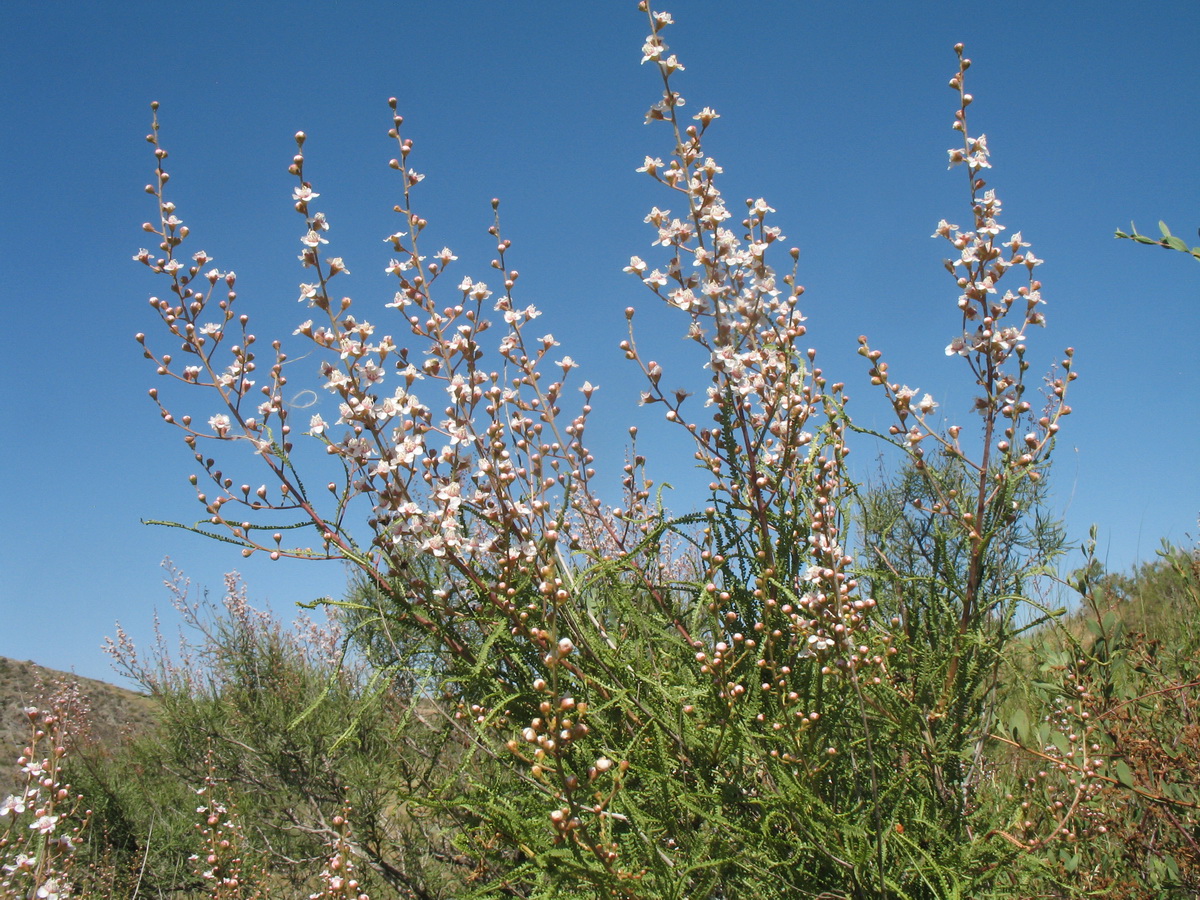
1059, 740
1162, 226
1123, 773
1018, 724
1176, 243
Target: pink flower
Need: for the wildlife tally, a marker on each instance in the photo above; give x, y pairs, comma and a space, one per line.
44, 824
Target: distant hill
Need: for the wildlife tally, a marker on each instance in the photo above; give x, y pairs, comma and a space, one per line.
114, 712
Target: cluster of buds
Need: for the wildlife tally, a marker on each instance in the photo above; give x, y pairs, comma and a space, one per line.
338, 878
1071, 772
219, 862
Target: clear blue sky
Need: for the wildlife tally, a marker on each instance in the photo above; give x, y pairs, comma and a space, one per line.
838, 114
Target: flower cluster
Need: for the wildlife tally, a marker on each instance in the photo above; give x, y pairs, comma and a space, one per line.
42, 822
1014, 436
774, 443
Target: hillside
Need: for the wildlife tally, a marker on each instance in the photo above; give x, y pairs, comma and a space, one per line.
114, 711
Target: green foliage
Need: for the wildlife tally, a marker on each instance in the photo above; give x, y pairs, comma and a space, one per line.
1106, 729
1167, 241
291, 730
701, 783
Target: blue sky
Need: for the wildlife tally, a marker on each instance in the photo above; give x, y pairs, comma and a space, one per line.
838, 114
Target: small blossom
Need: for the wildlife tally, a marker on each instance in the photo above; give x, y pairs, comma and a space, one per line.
44, 824
220, 424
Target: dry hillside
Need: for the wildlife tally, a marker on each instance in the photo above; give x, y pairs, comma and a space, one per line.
114, 711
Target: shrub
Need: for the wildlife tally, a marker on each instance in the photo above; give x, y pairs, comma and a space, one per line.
703, 705
277, 725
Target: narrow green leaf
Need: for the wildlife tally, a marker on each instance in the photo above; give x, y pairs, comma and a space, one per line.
1123, 773
1162, 226
1176, 243
1018, 724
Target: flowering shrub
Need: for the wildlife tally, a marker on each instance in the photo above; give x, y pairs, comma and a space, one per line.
708, 705
277, 727
43, 821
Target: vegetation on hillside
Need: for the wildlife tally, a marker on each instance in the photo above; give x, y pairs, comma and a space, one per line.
304, 746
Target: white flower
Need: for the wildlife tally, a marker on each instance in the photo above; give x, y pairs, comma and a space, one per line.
220, 424
958, 346
44, 824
